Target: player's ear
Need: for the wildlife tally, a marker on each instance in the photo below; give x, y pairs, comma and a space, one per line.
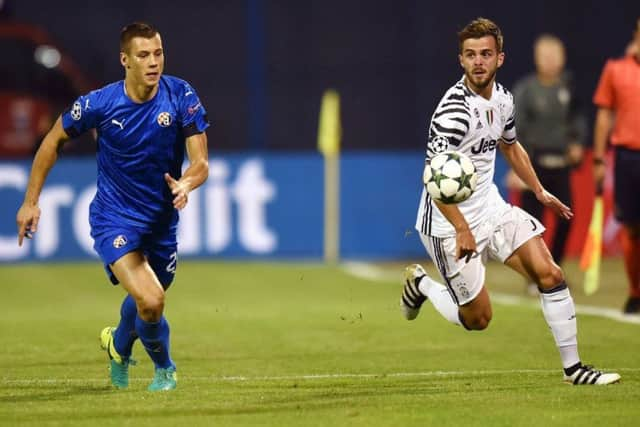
500, 59
123, 59
460, 60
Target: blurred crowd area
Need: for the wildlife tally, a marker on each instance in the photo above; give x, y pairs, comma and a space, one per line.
261, 67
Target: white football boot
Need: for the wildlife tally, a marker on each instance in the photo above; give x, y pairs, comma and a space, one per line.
412, 299
588, 375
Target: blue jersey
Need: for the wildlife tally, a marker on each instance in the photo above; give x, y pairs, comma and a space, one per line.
137, 145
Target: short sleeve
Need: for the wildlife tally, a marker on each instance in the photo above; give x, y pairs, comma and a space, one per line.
605, 95
449, 125
509, 131
82, 115
193, 116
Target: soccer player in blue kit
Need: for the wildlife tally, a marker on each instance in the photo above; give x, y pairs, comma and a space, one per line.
144, 124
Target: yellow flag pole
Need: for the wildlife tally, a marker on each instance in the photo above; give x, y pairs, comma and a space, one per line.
329, 136
592, 251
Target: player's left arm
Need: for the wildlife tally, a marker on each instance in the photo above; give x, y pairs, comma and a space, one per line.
520, 163
195, 175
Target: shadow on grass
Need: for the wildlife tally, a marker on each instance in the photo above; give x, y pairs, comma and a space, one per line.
51, 392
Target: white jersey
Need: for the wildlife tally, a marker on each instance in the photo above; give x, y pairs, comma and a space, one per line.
468, 123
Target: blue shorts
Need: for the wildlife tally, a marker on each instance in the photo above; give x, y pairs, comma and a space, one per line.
626, 184
159, 247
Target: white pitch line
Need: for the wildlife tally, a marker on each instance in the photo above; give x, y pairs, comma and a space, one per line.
372, 272
311, 377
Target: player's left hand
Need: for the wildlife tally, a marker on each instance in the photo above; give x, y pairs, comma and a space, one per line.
552, 202
179, 189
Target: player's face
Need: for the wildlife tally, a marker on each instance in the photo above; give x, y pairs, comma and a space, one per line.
144, 61
480, 60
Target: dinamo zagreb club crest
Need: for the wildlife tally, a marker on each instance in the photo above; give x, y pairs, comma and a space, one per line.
119, 241
164, 119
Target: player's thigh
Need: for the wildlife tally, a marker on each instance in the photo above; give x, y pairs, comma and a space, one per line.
514, 228
162, 255
137, 278
464, 280
477, 313
534, 261
112, 242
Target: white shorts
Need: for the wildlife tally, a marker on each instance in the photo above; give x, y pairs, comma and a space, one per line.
497, 238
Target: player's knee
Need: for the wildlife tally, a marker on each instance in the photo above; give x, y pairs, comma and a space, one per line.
476, 322
481, 323
151, 307
551, 277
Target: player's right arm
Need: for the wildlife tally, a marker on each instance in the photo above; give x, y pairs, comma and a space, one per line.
449, 124
604, 123
29, 213
604, 98
465, 242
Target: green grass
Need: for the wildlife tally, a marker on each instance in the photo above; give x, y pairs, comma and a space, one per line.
249, 338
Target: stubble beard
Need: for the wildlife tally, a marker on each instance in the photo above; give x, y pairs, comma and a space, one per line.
479, 86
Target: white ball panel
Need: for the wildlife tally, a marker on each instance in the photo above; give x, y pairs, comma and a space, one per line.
449, 187
433, 190
452, 169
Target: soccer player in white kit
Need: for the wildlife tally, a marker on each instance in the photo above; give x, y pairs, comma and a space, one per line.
476, 117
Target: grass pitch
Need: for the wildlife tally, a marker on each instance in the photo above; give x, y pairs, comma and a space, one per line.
296, 344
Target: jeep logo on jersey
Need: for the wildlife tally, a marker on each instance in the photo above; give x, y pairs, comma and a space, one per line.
76, 111
164, 119
484, 146
119, 241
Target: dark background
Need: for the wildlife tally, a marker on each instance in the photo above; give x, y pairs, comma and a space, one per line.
260, 67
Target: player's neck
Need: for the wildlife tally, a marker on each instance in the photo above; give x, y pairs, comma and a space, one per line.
139, 93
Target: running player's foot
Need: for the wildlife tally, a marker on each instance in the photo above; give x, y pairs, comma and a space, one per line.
585, 374
118, 366
164, 379
412, 299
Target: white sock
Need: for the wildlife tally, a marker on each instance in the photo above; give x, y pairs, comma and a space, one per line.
440, 298
560, 314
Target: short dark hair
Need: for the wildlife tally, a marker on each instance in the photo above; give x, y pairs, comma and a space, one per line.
478, 28
135, 29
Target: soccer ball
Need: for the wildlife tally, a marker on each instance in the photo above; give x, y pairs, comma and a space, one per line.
450, 177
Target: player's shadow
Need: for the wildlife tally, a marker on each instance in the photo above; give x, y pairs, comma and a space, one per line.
53, 392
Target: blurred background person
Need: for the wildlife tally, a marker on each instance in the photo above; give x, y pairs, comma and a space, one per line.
618, 120
552, 129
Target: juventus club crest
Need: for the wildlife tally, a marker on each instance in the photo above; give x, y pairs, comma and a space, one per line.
489, 116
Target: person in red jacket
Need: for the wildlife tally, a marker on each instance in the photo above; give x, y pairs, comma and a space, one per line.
618, 120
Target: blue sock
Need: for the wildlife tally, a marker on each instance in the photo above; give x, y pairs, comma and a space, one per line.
155, 338
125, 335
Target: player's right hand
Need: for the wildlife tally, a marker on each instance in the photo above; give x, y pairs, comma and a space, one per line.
27, 221
465, 245
599, 170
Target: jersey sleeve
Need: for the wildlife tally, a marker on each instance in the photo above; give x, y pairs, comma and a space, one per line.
509, 132
449, 125
82, 115
193, 116
605, 96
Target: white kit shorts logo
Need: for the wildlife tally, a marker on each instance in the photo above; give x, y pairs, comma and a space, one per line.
119, 241
164, 119
76, 111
